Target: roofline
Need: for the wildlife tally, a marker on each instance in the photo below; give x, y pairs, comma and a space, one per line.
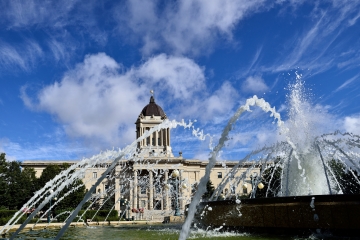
188, 162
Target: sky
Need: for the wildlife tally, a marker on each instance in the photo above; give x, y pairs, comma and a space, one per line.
75, 74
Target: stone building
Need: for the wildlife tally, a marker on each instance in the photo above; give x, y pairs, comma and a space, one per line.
144, 183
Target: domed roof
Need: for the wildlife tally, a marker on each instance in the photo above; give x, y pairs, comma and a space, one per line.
153, 109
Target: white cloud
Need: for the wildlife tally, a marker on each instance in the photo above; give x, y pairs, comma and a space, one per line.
93, 99
347, 82
314, 46
353, 20
352, 124
214, 108
183, 26
54, 14
43, 151
3, 143
254, 84
181, 76
100, 100
23, 56
57, 24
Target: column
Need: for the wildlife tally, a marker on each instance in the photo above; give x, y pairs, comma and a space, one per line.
160, 136
166, 191
165, 138
151, 136
117, 192
151, 190
142, 133
131, 194
181, 192
155, 137
168, 136
135, 189
144, 129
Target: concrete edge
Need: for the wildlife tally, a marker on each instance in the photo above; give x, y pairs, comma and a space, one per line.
38, 226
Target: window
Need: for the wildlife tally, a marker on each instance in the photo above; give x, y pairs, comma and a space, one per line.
148, 138
219, 174
233, 189
245, 190
122, 189
159, 141
94, 192
194, 188
143, 203
157, 205
158, 189
142, 189
94, 174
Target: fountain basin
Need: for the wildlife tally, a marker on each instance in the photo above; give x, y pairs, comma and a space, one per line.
337, 214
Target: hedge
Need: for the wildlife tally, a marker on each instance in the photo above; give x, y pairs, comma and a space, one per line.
4, 220
100, 216
7, 213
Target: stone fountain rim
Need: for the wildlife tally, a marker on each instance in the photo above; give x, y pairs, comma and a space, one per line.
355, 198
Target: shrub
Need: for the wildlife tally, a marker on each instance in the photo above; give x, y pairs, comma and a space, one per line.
7, 213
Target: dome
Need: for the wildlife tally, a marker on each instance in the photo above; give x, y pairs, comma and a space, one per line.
153, 109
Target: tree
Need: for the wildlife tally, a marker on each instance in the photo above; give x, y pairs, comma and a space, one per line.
108, 205
73, 198
271, 179
209, 190
3, 182
347, 178
16, 185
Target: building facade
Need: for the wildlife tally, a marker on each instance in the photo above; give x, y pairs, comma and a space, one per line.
148, 181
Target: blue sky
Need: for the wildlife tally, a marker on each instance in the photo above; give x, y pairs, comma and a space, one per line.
75, 74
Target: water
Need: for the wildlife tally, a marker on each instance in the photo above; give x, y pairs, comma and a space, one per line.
149, 232
303, 156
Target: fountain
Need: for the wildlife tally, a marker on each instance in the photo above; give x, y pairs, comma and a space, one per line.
301, 185
304, 180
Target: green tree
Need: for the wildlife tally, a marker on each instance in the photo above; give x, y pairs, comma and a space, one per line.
3, 183
29, 183
109, 203
209, 190
348, 179
16, 185
271, 179
73, 198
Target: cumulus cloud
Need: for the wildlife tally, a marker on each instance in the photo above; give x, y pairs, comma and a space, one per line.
181, 76
93, 99
99, 99
215, 107
254, 84
183, 26
352, 124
